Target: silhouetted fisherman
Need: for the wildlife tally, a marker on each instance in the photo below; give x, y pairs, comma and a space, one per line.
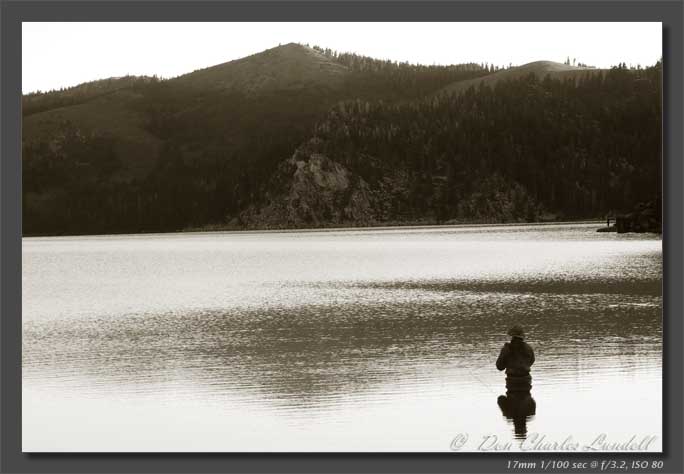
516, 357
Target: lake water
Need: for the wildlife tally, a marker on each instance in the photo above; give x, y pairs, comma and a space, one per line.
351, 340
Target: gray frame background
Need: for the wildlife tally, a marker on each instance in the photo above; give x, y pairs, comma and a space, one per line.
13, 12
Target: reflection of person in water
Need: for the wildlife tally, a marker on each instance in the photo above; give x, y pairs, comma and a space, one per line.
517, 406
516, 358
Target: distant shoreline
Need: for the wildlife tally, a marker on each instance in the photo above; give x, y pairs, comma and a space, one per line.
409, 226
393, 226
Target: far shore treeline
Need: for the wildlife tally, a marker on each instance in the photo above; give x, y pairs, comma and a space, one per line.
299, 137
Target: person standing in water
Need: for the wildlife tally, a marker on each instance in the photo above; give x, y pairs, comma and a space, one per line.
516, 358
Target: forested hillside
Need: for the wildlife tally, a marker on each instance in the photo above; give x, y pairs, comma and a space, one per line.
572, 147
299, 137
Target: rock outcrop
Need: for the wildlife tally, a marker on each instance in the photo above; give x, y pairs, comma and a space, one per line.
311, 190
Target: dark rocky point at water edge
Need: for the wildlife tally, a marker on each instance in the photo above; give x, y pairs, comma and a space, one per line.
645, 217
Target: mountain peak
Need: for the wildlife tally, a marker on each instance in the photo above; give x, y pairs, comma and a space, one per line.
290, 46
284, 67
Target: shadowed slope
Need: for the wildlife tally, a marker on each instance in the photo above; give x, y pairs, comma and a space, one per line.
110, 114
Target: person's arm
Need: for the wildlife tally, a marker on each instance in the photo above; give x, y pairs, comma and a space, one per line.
503, 357
531, 355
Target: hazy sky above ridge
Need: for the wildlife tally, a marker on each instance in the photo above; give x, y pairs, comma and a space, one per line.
56, 55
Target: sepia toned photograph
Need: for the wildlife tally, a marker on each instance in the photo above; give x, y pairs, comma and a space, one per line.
342, 237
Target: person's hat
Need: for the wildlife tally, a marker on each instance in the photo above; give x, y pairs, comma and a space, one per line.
516, 331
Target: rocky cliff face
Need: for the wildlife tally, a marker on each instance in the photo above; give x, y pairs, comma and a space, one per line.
311, 190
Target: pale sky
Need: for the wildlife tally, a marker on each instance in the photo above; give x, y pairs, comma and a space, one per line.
56, 55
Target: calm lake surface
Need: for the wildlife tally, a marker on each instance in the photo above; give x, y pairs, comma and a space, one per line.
351, 340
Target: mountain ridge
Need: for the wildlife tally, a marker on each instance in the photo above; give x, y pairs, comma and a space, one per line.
539, 68
299, 136
270, 59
